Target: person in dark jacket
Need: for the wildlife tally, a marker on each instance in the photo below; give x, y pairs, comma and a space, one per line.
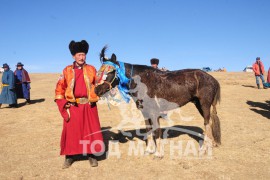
22, 81
8, 94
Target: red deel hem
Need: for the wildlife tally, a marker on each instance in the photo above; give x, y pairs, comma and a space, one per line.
82, 134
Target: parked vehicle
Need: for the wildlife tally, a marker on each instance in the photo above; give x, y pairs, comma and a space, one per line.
207, 69
248, 69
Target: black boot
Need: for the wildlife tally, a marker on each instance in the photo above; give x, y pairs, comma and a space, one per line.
68, 162
28, 101
93, 161
258, 85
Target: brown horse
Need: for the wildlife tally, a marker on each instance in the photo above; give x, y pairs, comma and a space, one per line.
155, 91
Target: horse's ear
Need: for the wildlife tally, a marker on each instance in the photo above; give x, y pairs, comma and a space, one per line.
113, 58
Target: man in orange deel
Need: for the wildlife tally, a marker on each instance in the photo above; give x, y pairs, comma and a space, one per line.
76, 100
258, 69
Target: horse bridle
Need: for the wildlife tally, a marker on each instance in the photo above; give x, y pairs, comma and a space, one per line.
104, 81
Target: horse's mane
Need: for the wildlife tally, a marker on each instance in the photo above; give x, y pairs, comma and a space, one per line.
102, 54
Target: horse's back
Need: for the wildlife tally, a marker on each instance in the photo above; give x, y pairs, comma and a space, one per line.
203, 77
198, 82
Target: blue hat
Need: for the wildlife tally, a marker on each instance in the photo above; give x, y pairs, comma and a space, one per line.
5, 65
19, 64
258, 58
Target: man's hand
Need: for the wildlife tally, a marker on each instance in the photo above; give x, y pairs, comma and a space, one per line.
67, 105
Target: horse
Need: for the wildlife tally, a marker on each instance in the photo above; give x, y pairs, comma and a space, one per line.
155, 91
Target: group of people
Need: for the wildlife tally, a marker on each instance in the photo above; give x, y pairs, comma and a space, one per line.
259, 71
76, 101
14, 85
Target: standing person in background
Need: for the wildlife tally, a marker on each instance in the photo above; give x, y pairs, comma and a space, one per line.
76, 100
22, 81
154, 63
8, 94
258, 69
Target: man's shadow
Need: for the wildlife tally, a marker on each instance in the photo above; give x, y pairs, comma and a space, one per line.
250, 86
33, 101
260, 108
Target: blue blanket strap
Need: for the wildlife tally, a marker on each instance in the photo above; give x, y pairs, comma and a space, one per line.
123, 79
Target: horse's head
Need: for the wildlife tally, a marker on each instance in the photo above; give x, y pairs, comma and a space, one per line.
106, 78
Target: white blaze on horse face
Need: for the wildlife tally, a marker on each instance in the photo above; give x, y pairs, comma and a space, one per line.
104, 77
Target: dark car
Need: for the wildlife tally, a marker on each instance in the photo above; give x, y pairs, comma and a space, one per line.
207, 69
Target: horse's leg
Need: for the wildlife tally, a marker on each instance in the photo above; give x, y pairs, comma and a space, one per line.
198, 106
159, 144
206, 115
151, 147
212, 134
208, 135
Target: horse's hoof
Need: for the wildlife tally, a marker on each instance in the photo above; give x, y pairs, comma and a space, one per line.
202, 151
205, 150
158, 157
215, 144
148, 152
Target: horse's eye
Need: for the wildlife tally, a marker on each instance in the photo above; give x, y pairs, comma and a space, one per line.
104, 77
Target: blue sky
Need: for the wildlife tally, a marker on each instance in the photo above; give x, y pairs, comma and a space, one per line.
181, 33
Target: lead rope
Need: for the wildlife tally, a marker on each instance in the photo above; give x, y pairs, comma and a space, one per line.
131, 73
108, 103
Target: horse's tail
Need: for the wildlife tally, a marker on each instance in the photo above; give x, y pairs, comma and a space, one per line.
102, 54
215, 125
217, 96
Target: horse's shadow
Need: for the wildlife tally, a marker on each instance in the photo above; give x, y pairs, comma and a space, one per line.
260, 108
129, 135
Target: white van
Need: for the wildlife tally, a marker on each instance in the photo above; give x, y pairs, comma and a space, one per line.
248, 69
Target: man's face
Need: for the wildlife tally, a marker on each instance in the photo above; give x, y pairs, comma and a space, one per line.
258, 61
79, 58
154, 66
19, 67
